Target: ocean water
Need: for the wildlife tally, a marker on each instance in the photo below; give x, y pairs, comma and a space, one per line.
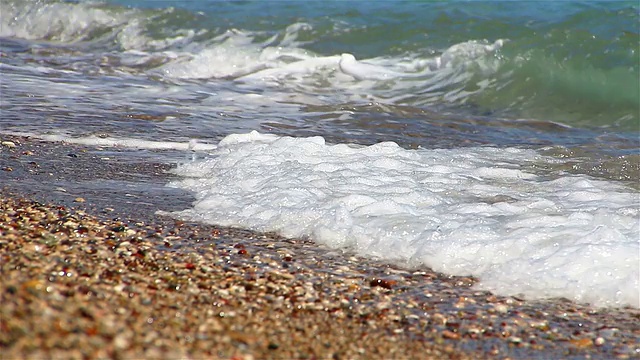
496, 139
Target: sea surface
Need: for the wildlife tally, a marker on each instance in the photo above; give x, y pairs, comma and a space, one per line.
495, 139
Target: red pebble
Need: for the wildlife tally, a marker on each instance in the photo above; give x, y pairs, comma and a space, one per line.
387, 284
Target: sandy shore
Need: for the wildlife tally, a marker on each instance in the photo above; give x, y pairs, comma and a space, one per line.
97, 274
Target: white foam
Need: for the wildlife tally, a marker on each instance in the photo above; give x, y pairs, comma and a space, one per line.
55, 21
232, 55
73, 22
471, 211
94, 140
458, 55
364, 71
283, 67
467, 51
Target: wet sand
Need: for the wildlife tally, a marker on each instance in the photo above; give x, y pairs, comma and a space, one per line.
89, 270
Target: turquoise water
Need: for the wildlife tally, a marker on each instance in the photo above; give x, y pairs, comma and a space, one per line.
431, 74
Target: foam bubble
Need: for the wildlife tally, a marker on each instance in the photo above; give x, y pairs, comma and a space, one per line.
471, 211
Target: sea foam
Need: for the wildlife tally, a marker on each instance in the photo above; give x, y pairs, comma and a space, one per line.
93, 140
472, 211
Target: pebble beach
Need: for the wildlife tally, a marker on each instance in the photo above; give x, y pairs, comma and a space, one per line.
93, 275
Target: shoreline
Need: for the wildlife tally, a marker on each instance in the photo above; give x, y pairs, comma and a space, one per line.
98, 273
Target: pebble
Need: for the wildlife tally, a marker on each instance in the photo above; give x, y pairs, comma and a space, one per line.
117, 290
501, 308
9, 144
